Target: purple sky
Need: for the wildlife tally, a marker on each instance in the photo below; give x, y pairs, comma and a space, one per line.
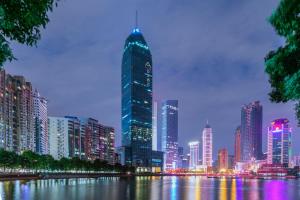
207, 54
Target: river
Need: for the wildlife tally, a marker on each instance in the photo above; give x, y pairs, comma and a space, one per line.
154, 188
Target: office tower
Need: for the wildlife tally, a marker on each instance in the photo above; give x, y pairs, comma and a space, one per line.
170, 133
137, 101
40, 123
109, 144
194, 154
237, 145
58, 131
207, 146
223, 159
154, 127
279, 142
251, 131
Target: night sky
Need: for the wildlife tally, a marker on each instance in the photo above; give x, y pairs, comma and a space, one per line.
207, 54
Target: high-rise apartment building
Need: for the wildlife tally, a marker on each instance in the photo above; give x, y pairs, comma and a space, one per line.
251, 131
58, 131
170, 133
16, 118
279, 142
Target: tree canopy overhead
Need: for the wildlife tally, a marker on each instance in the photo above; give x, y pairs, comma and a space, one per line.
21, 21
283, 64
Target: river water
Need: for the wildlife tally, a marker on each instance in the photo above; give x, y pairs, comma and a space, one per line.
154, 188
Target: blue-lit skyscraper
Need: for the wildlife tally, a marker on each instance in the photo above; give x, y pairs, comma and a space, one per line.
251, 131
170, 133
137, 101
279, 142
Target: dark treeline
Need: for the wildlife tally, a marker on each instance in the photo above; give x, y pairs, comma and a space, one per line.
30, 160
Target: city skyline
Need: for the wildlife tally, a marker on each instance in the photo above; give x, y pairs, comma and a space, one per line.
33, 64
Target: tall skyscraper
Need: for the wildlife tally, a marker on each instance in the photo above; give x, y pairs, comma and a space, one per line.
223, 159
40, 115
237, 145
137, 101
207, 146
194, 154
154, 127
251, 131
279, 142
170, 133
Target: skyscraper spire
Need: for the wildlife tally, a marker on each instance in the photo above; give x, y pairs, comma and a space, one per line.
136, 29
136, 19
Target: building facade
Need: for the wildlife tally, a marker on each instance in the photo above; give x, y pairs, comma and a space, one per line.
251, 131
137, 100
40, 115
279, 142
170, 133
207, 146
154, 127
194, 155
237, 145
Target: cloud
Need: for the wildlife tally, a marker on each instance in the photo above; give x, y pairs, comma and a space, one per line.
207, 54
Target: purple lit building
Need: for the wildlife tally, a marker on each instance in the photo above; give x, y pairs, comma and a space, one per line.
279, 142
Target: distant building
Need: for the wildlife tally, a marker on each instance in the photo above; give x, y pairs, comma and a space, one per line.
154, 127
170, 133
137, 101
251, 131
237, 145
40, 115
180, 157
223, 159
207, 146
296, 161
279, 142
194, 154
231, 161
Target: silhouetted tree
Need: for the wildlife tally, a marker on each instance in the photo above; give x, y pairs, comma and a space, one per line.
21, 21
283, 64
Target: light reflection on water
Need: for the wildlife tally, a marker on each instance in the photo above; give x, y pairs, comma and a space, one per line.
153, 188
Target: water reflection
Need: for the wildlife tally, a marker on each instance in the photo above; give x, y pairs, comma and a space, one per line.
153, 188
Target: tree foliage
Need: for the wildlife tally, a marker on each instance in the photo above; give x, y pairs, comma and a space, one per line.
33, 161
21, 21
283, 64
